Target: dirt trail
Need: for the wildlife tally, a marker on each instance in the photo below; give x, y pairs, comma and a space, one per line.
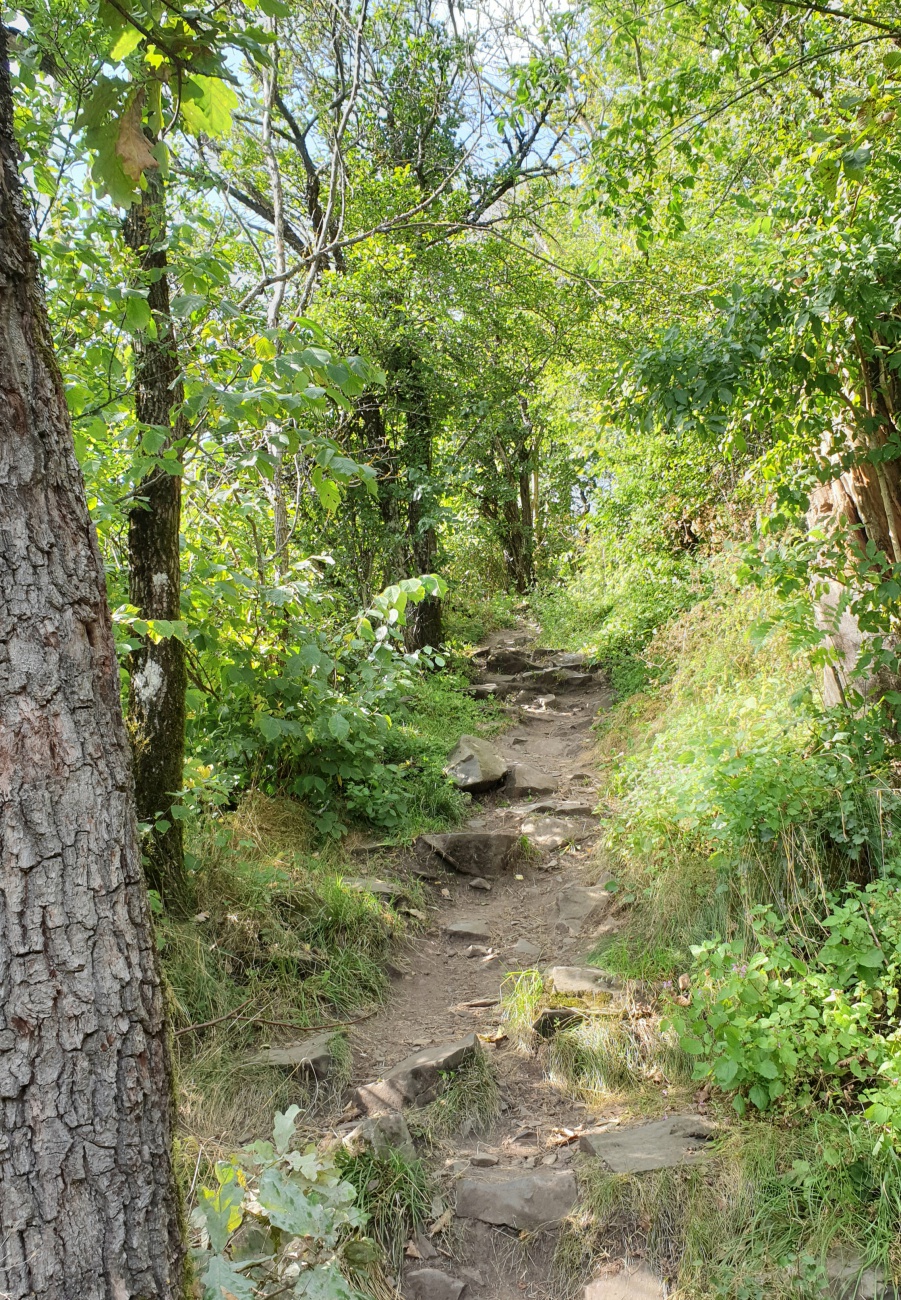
538, 914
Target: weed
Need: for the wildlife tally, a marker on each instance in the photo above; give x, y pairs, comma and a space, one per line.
609, 1054
469, 1101
393, 1191
521, 997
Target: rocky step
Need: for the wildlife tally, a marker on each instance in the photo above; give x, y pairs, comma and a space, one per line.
414, 1081
522, 1199
475, 853
314, 1057
660, 1144
476, 765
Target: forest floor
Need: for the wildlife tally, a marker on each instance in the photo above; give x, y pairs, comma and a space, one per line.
504, 1160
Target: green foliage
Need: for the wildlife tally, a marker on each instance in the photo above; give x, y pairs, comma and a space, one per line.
755, 1220
394, 1193
803, 1016
279, 1218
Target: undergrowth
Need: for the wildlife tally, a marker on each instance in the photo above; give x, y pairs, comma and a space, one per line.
754, 1221
468, 1102
280, 944
393, 1191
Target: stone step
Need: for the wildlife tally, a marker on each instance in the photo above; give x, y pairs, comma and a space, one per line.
414, 1081
474, 852
632, 1282
525, 1200
661, 1144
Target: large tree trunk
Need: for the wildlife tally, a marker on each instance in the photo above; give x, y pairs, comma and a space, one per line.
158, 670
88, 1205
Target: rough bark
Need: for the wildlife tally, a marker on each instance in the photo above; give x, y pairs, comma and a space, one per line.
88, 1206
158, 669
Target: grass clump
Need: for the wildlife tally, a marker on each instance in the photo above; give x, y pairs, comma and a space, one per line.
610, 1054
280, 944
522, 996
469, 1101
757, 1220
393, 1191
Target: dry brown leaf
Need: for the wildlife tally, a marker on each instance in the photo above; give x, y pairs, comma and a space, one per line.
412, 1250
132, 145
444, 1221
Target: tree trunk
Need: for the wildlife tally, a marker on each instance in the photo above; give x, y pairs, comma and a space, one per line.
88, 1204
158, 670
424, 619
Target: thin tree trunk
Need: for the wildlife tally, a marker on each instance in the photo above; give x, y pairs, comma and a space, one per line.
88, 1205
158, 669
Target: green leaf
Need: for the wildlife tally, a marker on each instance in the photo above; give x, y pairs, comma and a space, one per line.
269, 726
185, 303
207, 105
693, 1046
137, 314
289, 1206
339, 726
759, 1096
222, 1281
324, 1282
128, 40
283, 1128
872, 958
222, 1211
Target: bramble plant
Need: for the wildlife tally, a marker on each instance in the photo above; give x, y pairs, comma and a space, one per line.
280, 1221
802, 1020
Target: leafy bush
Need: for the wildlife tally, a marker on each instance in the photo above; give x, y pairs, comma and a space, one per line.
804, 1018
279, 1219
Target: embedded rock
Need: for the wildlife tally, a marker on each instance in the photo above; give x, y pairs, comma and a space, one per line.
526, 949
551, 1019
415, 1080
849, 1279
577, 907
383, 1133
504, 660
432, 1284
476, 765
475, 853
552, 832
525, 779
527, 1200
640, 1148
632, 1282
313, 1056
468, 930
580, 981
380, 888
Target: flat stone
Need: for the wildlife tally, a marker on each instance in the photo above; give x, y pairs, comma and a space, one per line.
312, 1056
483, 1160
633, 1282
475, 853
525, 948
577, 907
850, 1280
432, 1284
478, 950
505, 660
482, 691
569, 659
525, 779
381, 888
476, 765
467, 930
581, 980
552, 832
566, 679
415, 1080
552, 1019
479, 882
662, 1144
382, 1133
522, 1200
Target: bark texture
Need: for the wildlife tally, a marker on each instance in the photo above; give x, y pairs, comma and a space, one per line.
88, 1208
158, 670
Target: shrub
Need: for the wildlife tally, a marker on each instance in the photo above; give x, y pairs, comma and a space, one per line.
804, 1018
